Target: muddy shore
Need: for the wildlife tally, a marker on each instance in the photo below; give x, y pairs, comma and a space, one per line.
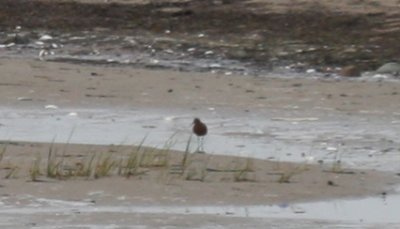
151, 67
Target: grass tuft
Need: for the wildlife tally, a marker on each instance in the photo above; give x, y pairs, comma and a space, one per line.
104, 166
53, 166
84, 168
132, 164
186, 153
3, 151
12, 172
34, 172
286, 177
138, 161
247, 173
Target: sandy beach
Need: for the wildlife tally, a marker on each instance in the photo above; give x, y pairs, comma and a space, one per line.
41, 84
95, 128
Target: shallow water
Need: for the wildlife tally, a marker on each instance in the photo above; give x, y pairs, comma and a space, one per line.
358, 142
353, 213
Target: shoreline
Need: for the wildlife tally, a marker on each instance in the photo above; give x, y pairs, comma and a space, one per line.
284, 117
205, 180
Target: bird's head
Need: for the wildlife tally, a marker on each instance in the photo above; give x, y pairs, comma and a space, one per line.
196, 121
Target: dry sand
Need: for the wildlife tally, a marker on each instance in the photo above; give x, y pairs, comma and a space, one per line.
30, 83
204, 180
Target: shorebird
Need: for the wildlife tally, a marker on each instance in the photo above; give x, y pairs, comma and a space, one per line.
200, 130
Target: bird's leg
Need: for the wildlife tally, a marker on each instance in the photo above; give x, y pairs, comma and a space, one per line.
198, 143
201, 147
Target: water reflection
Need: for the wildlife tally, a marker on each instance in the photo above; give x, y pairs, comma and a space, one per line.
367, 211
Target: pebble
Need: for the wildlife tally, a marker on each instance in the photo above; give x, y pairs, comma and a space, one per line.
350, 71
389, 68
215, 65
50, 106
7, 45
330, 148
45, 38
40, 43
169, 118
24, 99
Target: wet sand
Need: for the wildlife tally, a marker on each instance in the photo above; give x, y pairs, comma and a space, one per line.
205, 193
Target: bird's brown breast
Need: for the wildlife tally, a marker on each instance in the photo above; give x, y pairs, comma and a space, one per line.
200, 129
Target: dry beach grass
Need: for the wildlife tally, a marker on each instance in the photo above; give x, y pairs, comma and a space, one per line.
146, 175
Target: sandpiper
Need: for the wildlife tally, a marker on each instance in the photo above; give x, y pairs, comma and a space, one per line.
200, 130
